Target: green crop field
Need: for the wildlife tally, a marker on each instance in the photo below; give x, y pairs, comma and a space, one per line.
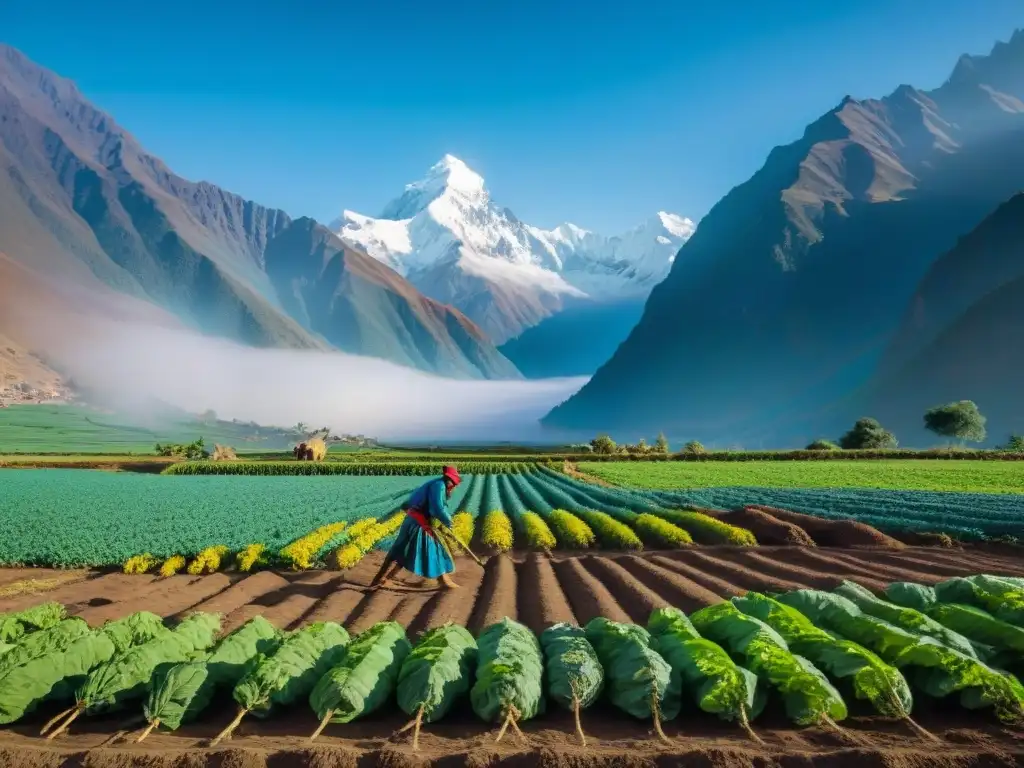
904, 474
40, 429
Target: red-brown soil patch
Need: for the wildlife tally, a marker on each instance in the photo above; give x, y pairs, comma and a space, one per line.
833, 533
767, 529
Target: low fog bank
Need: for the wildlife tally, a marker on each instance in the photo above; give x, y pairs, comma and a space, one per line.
133, 364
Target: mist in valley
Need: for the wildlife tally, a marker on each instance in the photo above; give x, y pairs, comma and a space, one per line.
130, 366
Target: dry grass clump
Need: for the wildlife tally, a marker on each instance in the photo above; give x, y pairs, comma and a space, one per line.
223, 453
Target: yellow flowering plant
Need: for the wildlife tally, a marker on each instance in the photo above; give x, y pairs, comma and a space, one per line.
143, 563
208, 561
538, 534
571, 532
172, 565
657, 532
497, 531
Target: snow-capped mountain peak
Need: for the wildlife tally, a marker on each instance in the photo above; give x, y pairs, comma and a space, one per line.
450, 177
454, 243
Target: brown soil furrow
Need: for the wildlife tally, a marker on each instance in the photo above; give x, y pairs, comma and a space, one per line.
833, 533
363, 572
541, 600
76, 595
823, 562
588, 597
981, 561
933, 568
678, 591
243, 592
338, 605
875, 568
768, 529
497, 596
171, 596
742, 576
448, 605
636, 599
288, 606
675, 561
776, 565
411, 606
374, 607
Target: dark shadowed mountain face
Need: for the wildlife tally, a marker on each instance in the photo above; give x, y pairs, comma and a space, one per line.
962, 337
81, 200
362, 306
575, 342
786, 296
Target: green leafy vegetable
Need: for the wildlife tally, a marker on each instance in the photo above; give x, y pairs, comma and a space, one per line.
808, 696
911, 595
46, 641
706, 672
364, 679
180, 693
575, 677
43, 616
1002, 597
289, 673
871, 678
906, 618
979, 626
509, 671
435, 674
938, 669
638, 680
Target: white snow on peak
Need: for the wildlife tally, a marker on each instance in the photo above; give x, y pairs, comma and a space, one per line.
448, 220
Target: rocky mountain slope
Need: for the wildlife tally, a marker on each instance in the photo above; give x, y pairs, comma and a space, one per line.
458, 246
82, 200
784, 299
961, 336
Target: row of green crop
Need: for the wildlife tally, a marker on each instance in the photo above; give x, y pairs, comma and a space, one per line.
727, 659
286, 468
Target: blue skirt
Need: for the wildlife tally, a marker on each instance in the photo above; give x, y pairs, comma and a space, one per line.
419, 552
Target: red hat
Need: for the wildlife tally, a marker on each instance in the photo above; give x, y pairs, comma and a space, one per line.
452, 474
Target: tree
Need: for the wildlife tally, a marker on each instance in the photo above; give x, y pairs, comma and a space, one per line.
661, 444
868, 434
603, 444
694, 447
961, 420
1014, 445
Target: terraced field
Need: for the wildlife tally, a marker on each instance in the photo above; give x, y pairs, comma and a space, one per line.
537, 590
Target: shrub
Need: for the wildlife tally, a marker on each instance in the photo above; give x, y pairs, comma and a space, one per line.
868, 434
823, 445
172, 565
192, 451
610, 532
655, 531
538, 534
707, 529
497, 531
661, 444
208, 561
603, 444
570, 531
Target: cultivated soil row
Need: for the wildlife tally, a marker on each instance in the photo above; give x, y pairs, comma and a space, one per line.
537, 590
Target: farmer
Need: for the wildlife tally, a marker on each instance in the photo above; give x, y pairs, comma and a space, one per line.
417, 547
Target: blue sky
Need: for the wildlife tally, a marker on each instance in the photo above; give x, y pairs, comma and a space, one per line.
595, 112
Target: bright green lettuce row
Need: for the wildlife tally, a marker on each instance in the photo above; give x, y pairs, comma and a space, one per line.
46, 641
437, 672
365, 678
56, 676
1003, 598
575, 677
179, 694
638, 679
17, 624
907, 618
127, 677
920, 597
979, 626
509, 672
872, 679
291, 671
808, 695
705, 670
938, 669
